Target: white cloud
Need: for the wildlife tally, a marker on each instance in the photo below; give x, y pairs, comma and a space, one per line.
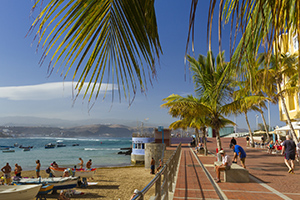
45, 91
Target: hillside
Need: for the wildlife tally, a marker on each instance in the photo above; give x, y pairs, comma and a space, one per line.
96, 130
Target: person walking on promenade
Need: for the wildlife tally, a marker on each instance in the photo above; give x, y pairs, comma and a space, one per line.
248, 141
18, 170
38, 168
6, 170
233, 141
226, 164
239, 152
289, 150
152, 163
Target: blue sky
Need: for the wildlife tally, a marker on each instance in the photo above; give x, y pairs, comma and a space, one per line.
26, 89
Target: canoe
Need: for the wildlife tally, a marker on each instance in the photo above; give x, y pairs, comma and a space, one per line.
58, 183
82, 173
19, 192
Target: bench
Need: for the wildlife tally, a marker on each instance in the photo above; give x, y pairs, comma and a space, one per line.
236, 173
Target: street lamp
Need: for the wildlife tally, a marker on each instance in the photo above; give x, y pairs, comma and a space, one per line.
257, 116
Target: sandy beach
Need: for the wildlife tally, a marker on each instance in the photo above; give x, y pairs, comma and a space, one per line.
112, 183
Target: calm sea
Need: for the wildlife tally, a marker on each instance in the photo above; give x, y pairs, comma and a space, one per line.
102, 151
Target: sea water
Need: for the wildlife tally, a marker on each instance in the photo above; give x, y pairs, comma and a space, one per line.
102, 151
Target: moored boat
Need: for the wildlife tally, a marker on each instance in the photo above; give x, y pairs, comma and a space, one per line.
50, 146
19, 192
82, 173
8, 151
59, 143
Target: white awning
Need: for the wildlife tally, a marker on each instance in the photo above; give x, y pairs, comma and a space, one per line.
296, 126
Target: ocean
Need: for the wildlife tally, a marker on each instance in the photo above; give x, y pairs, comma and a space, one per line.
102, 151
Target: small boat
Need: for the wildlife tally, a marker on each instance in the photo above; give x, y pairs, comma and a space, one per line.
26, 149
4, 148
19, 192
58, 183
82, 173
8, 151
59, 143
45, 189
75, 145
1, 146
50, 146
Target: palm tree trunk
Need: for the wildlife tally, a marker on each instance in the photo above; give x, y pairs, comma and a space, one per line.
204, 141
197, 136
286, 113
250, 132
265, 124
219, 145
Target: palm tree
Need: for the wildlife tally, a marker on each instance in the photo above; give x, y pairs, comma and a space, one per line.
197, 122
94, 38
280, 67
212, 79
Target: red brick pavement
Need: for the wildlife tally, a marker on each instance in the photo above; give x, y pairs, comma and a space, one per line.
270, 179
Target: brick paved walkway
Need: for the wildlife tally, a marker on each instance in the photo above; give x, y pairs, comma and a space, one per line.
269, 178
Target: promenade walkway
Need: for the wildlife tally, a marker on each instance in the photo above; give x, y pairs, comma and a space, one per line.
269, 178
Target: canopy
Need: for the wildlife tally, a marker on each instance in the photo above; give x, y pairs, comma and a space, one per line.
259, 132
296, 126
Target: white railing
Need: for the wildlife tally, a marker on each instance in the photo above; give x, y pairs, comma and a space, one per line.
163, 188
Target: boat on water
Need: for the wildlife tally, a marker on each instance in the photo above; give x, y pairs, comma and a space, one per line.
8, 151
58, 183
50, 146
75, 145
59, 143
19, 192
26, 149
82, 173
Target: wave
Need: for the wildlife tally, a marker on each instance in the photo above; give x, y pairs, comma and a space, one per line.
101, 149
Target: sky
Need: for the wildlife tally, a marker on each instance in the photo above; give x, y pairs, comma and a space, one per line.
26, 89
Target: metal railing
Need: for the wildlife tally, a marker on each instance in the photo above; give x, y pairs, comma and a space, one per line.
163, 187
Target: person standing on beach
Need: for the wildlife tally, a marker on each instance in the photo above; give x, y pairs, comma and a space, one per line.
81, 163
152, 163
239, 151
18, 170
6, 170
289, 150
38, 168
248, 141
89, 164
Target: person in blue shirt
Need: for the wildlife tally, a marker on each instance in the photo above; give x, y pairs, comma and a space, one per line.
239, 152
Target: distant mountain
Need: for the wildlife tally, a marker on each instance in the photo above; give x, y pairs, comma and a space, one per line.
95, 130
53, 122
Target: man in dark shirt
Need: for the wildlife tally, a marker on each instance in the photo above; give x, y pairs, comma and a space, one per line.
233, 141
289, 149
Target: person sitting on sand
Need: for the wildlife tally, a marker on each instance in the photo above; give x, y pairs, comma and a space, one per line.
18, 170
6, 170
38, 168
136, 191
81, 163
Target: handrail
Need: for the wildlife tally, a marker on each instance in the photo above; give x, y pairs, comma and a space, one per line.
162, 188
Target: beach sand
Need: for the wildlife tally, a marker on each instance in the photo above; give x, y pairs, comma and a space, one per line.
112, 183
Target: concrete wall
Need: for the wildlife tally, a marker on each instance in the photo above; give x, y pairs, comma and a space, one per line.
154, 150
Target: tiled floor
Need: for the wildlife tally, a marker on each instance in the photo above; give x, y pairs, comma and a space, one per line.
268, 176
